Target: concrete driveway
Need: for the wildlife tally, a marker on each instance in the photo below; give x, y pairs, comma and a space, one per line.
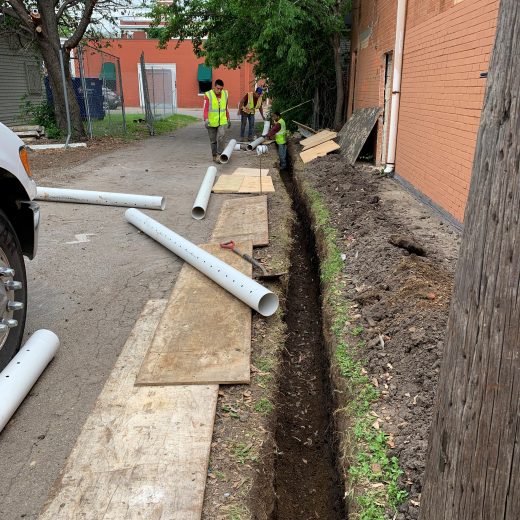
91, 277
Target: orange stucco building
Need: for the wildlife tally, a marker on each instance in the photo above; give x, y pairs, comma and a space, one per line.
447, 46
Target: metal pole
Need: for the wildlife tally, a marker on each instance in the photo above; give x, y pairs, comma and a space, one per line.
122, 94
292, 108
84, 87
65, 95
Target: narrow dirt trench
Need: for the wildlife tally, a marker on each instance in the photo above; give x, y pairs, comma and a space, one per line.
307, 484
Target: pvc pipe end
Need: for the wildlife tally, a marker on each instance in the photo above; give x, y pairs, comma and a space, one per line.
389, 169
224, 159
249, 147
163, 203
268, 304
198, 213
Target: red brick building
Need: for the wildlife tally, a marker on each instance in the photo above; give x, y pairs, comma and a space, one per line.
175, 70
447, 45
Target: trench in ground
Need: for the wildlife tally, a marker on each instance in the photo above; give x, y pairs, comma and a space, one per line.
307, 483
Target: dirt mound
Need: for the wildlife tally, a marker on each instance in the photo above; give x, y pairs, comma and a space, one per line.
402, 298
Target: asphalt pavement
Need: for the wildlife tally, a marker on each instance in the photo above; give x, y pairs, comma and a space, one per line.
88, 283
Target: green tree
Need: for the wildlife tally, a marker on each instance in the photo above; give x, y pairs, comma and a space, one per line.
294, 45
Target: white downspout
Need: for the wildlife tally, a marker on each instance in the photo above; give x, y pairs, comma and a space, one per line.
396, 85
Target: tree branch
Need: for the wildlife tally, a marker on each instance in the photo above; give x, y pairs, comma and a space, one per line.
82, 26
64, 5
21, 13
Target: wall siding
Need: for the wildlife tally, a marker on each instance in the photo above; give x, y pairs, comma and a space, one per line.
13, 81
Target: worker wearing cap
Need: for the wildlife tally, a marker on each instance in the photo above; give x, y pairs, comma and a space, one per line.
249, 104
279, 132
216, 117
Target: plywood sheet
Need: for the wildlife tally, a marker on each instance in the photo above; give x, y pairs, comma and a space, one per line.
317, 139
355, 132
318, 151
257, 185
204, 335
250, 172
243, 218
143, 452
228, 184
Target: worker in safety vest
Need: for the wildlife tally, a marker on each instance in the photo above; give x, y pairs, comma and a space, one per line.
279, 133
216, 117
249, 104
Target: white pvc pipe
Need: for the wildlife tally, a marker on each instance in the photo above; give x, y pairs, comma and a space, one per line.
396, 85
19, 376
261, 149
100, 197
237, 146
267, 125
228, 150
56, 146
250, 292
255, 143
198, 212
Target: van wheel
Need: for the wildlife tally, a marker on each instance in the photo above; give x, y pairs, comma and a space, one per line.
13, 292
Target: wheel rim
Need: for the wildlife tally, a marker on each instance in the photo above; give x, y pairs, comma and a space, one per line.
6, 299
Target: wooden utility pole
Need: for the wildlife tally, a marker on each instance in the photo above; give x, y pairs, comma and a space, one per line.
473, 466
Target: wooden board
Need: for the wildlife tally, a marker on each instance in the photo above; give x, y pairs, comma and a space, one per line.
355, 132
318, 151
204, 335
250, 172
317, 139
243, 218
143, 452
228, 184
257, 185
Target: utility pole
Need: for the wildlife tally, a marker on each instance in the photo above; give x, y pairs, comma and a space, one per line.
473, 465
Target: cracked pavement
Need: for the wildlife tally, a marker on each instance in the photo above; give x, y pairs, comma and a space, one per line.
91, 293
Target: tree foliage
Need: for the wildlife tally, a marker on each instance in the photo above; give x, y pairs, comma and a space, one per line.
290, 42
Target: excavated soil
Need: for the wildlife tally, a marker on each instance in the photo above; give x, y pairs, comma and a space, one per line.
402, 299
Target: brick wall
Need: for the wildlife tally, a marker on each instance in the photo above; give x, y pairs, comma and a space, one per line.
442, 96
447, 45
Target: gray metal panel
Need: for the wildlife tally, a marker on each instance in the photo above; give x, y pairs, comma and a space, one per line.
16, 63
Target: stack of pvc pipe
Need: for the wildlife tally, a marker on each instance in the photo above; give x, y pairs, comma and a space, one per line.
100, 197
261, 149
226, 154
255, 143
250, 292
198, 211
19, 376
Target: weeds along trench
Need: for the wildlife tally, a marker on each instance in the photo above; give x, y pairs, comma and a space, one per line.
307, 483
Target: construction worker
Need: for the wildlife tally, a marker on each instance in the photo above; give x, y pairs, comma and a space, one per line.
249, 104
279, 132
216, 117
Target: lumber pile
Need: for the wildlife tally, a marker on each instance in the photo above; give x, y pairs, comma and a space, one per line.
29, 133
318, 145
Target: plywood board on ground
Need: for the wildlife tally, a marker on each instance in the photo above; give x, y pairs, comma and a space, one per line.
318, 151
204, 335
355, 132
143, 452
243, 218
228, 184
250, 172
257, 185
315, 140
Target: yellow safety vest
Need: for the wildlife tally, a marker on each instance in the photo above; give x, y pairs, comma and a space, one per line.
217, 108
250, 102
281, 136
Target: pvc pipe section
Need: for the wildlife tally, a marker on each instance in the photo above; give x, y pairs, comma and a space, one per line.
261, 149
396, 85
100, 197
19, 376
255, 143
198, 212
250, 292
228, 150
237, 147
267, 125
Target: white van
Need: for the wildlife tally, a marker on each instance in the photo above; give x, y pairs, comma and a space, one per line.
19, 222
